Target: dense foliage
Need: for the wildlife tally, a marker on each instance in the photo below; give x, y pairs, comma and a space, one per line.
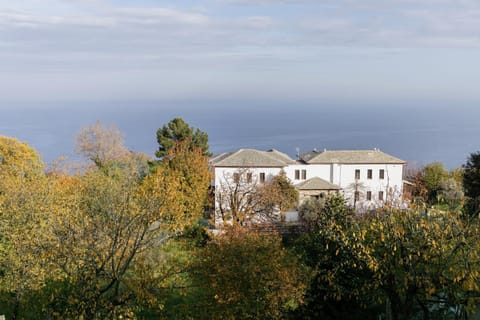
434, 185
122, 240
471, 183
80, 244
248, 275
411, 263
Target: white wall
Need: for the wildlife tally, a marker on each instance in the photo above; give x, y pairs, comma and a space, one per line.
313, 170
222, 173
225, 186
342, 175
391, 184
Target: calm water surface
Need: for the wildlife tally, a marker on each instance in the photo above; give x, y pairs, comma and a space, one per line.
416, 134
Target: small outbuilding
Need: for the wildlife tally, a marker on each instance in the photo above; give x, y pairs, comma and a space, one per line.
315, 188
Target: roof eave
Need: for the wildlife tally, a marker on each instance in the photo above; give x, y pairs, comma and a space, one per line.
246, 166
357, 162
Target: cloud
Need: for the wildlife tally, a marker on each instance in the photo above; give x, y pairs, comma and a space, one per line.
162, 15
326, 24
219, 43
19, 19
260, 22
113, 17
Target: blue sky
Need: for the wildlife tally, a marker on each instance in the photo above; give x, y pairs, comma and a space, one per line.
340, 50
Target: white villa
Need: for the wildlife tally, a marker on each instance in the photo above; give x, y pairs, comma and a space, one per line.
367, 178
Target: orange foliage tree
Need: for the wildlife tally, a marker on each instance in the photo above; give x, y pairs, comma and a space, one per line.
249, 275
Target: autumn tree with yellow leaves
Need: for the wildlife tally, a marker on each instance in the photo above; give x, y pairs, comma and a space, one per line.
23, 208
248, 275
423, 262
25, 198
18, 159
82, 239
399, 263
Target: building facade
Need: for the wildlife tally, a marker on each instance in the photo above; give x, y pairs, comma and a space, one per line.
368, 179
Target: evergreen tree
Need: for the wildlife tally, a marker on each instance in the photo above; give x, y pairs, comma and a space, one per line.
471, 175
471, 182
179, 130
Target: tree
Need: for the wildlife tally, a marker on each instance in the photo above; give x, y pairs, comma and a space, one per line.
471, 175
189, 169
429, 181
179, 130
354, 191
101, 144
278, 195
333, 249
471, 182
315, 213
25, 197
24, 206
18, 158
422, 263
241, 198
79, 245
457, 175
248, 275
235, 197
451, 192
105, 230
434, 174
416, 175
309, 210
113, 221
103, 234
411, 262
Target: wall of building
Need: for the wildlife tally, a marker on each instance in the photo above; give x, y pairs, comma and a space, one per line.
238, 183
312, 170
343, 175
391, 184
223, 174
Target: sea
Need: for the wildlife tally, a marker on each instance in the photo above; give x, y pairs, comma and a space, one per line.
415, 133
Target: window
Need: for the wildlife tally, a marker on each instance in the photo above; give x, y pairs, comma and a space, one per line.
369, 195
236, 177
369, 174
249, 177
380, 195
304, 174
262, 177
381, 174
357, 195
357, 174
297, 174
